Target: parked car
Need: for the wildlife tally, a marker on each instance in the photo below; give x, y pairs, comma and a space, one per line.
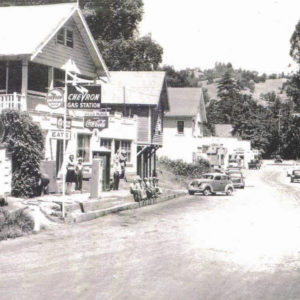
254, 164
291, 169
237, 180
295, 176
211, 183
278, 159
233, 164
233, 170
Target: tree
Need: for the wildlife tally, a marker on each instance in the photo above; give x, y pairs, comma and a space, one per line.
295, 44
175, 78
229, 95
113, 19
141, 54
24, 140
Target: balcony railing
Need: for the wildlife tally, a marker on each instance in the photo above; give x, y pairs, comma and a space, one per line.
11, 101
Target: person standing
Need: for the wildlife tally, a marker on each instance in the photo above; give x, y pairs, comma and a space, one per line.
123, 159
117, 173
79, 174
70, 176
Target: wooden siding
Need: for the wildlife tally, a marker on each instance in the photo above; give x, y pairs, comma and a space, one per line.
157, 132
56, 55
143, 123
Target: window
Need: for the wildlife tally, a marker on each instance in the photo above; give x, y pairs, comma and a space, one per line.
60, 38
218, 177
106, 143
59, 78
65, 37
180, 127
83, 147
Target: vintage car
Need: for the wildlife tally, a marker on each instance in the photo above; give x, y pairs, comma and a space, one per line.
254, 164
291, 169
278, 159
295, 176
238, 180
233, 164
211, 183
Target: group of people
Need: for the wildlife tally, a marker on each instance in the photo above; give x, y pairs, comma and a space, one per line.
74, 174
119, 164
145, 189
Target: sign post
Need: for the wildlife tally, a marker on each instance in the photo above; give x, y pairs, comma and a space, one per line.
64, 142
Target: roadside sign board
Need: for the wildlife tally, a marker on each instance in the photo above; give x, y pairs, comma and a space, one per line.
55, 98
60, 123
59, 135
84, 97
96, 122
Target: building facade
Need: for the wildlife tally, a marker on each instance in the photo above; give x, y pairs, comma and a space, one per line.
183, 123
38, 57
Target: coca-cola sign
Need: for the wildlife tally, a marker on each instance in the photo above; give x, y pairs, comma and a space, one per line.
96, 122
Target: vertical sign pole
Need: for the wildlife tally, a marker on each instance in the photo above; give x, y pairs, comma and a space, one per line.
64, 142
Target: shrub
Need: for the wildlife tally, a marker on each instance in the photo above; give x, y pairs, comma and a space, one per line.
181, 168
24, 140
14, 224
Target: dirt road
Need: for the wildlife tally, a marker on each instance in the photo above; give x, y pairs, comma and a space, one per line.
242, 247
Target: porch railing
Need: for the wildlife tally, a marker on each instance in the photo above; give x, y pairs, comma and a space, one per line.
11, 101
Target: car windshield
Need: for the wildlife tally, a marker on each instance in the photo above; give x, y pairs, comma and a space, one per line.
297, 172
207, 176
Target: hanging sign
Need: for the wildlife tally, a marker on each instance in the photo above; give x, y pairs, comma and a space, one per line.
96, 122
55, 98
59, 135
84, 97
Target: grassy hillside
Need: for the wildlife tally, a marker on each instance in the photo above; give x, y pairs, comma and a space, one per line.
269, 85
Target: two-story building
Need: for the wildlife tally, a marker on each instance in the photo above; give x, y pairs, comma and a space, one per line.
34, 59
143, 95
183, 123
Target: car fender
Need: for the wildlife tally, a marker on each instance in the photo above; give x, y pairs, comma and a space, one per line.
207, 185
229, 186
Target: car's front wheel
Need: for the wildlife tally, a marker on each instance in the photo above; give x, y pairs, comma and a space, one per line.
206, 191
229, 191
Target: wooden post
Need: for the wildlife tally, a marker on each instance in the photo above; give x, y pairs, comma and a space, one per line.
7, 77
51, 78
154, 162
24, 88
142, 165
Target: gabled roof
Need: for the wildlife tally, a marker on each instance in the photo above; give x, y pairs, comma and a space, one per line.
25, 30
186, 102
134, 87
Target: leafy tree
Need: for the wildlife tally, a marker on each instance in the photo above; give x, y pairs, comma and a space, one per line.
292, 87
24, 140
140, 54
229, 95
295, 44
175, 78
113, 19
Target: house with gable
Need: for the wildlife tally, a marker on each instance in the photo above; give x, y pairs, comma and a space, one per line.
142, 96
183, 123
34, 59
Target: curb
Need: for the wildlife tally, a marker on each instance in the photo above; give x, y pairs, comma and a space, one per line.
88, 216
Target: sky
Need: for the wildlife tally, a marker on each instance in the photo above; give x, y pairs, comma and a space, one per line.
251, 34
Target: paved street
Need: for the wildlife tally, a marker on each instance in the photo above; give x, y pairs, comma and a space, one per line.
242, 247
